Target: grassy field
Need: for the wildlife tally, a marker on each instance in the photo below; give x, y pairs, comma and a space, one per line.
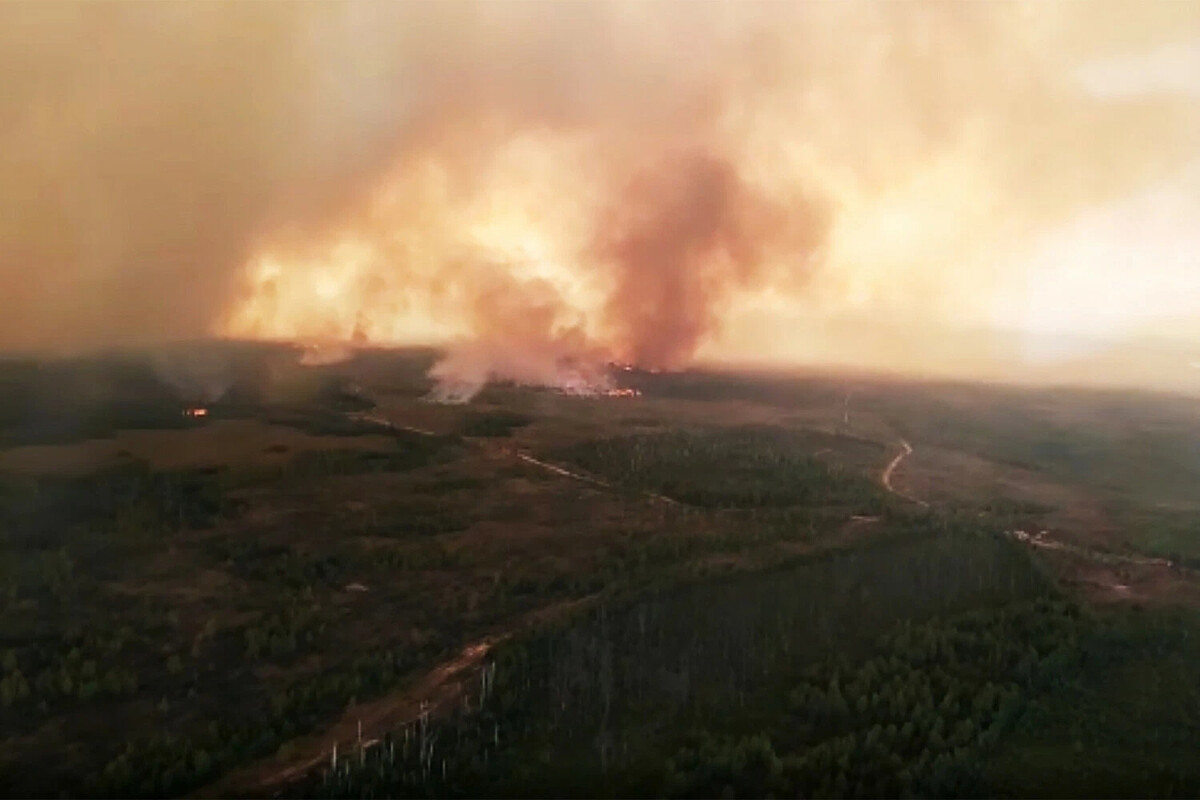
182, 597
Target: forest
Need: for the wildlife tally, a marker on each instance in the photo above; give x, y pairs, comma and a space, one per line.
733, 609
922, 710
744, 467
681, 692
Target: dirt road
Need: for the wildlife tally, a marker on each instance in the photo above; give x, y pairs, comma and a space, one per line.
886, 477
366, 723
557, 470
1042, 540
387, 423
566, 473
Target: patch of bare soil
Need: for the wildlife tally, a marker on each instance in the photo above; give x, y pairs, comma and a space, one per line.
1106, 583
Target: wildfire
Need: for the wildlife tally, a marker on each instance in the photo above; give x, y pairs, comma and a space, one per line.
624, 366
195, 412
596, 391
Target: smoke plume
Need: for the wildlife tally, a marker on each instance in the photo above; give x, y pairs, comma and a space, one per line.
519, 335
196, 376
544, 186
680, 239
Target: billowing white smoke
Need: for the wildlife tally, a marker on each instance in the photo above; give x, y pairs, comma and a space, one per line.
197, 376
530, 340
468, 367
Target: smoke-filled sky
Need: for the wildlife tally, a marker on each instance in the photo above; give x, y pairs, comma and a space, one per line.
540, 183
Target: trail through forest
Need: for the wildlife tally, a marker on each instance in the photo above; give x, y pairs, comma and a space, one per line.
886, 477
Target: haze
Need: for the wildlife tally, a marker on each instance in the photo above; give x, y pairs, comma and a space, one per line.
1000, 190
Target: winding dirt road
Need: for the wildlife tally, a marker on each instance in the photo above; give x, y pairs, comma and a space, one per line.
1042, 539
886, 477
